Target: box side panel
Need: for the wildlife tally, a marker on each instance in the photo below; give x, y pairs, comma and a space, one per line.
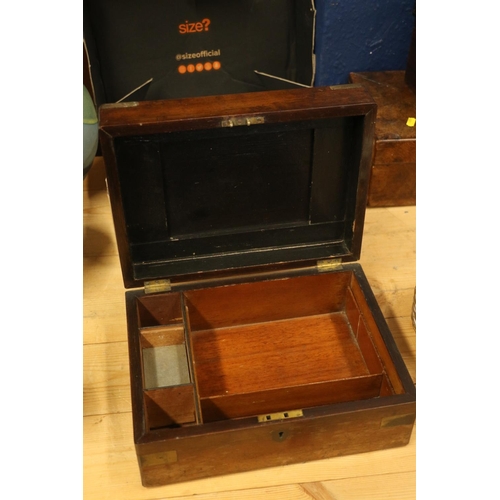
393, 185
135, 360
395, 151
380, 334
271, 300
271, 401
275, 444
394, 175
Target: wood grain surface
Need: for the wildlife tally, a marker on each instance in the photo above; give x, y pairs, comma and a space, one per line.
393, 181
109, 461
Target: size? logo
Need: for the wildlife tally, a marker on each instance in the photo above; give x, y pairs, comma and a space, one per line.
198, 27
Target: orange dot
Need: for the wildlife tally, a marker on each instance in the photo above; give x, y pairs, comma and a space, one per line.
208, 66
182, 69
199, 67
216, 65
190, 68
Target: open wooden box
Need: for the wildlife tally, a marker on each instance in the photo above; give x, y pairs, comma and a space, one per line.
253, 342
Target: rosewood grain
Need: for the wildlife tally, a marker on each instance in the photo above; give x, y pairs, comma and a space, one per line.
205, 113
244, 366
288, 359
393, 184
393, 179
314, 437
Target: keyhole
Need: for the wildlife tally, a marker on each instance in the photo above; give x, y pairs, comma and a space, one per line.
279, 436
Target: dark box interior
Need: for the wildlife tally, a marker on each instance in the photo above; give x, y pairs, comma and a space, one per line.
218, 183
205, 194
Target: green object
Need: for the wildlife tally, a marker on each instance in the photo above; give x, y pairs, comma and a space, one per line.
90, 131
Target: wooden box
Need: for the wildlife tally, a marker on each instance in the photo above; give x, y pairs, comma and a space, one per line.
393, 179
254, 337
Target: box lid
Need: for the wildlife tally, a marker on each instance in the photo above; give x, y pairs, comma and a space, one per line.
211, 184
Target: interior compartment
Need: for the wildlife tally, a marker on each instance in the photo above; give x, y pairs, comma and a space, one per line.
278, 366
165, 357
169, 394
258, 348
158, 310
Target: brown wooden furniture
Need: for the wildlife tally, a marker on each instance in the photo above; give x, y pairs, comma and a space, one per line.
245, 341
109, 458
393, 179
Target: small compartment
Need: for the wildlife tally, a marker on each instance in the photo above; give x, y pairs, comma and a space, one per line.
170, 407
169, 394
158, 310
164, 357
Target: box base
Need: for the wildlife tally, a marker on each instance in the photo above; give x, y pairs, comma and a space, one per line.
280, 371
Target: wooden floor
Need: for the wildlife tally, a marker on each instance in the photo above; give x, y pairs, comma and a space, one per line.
109, 461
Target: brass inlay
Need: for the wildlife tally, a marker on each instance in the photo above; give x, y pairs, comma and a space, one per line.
164, 457
398, 420
280, 416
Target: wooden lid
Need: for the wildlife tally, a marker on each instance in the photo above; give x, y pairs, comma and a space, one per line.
211, 184
396, 103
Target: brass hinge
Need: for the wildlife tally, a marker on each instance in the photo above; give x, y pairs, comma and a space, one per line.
280, 416
130, 104
238, 121
157, 286
326, 265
